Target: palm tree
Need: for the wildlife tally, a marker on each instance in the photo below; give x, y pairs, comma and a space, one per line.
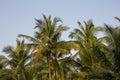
113, 41
19, 57
92, 52
47, 41
87, 40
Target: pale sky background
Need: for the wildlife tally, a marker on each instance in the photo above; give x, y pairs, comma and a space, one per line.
17, 16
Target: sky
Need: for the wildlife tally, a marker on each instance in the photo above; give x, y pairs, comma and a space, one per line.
18, 16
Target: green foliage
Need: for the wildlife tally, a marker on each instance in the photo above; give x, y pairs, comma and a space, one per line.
46, 57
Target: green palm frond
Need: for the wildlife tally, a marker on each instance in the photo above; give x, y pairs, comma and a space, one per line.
8, 49
66, 46
29, 38
55, 21
81, 26
39, 25
114, 34
101, 56
99, 28
117, 18
7, 74
3, 62
105, 39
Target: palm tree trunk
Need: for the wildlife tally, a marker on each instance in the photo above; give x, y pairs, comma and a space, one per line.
49, 66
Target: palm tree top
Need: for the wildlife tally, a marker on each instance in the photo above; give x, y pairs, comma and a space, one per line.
48, 30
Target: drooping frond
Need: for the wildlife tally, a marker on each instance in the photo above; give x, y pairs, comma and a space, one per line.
67, 44
114, 34
55, 21
8, 49
29, 38
3, 62
77, 34
101, 56
117, 18
57, 32
81, 26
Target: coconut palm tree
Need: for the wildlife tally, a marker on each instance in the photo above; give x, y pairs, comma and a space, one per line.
113, 41
19, 57
47, 42
92, 51
87, 40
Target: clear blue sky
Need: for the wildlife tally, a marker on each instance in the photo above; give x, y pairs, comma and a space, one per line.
17, 16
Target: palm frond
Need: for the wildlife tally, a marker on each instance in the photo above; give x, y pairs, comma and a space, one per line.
3, 61
29, 38
101, 56
58, 31
39, 25
117, 18
55, 21
81, 26
8, 49
67, 44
